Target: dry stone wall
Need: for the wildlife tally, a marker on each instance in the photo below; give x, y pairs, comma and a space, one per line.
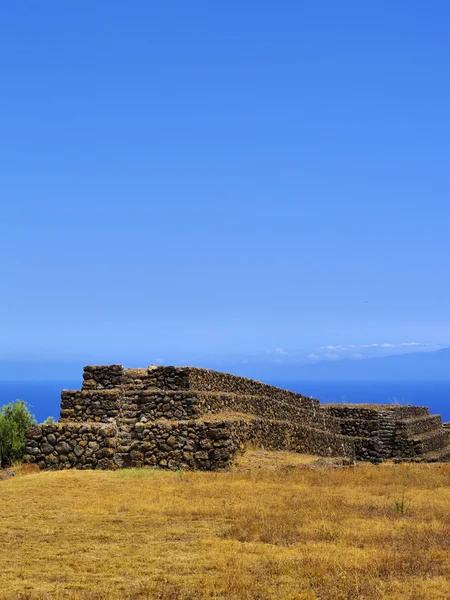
81, 445
189, 418
89, 405
191, 444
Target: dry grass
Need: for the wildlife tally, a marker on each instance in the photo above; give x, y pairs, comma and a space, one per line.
253, 459
288, 533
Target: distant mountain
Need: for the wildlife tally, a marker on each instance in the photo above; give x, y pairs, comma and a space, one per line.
414, 366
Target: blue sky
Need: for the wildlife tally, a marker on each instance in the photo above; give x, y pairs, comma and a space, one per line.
192, 179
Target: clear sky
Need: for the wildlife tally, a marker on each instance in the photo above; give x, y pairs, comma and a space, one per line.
190, 179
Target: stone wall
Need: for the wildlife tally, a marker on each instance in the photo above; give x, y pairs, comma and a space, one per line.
102, 377
185, 378
194, 444
90, 405
80, 445
189, 418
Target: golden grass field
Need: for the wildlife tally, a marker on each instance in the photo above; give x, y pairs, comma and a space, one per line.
268, 529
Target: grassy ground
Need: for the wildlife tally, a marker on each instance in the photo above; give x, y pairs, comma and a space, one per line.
286, 530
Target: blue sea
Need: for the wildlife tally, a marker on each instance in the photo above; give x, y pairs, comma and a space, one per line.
43, 397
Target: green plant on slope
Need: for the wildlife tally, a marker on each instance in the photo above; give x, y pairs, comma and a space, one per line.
15, 418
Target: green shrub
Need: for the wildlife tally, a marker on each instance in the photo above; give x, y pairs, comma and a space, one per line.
15, 418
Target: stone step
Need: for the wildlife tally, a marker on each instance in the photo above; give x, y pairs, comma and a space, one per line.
152, 404
258, 406
417, 425
431, 441
442, 455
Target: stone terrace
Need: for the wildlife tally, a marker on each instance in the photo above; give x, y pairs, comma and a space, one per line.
189, 418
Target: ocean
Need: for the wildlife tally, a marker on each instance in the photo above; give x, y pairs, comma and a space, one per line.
43, 397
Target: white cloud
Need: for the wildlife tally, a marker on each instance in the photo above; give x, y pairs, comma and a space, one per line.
278, 351
369, 346
341, 348
358, 351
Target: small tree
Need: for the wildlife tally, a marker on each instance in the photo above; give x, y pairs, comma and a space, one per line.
15, 418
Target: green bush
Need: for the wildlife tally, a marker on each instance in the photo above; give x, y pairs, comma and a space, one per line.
15, 418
